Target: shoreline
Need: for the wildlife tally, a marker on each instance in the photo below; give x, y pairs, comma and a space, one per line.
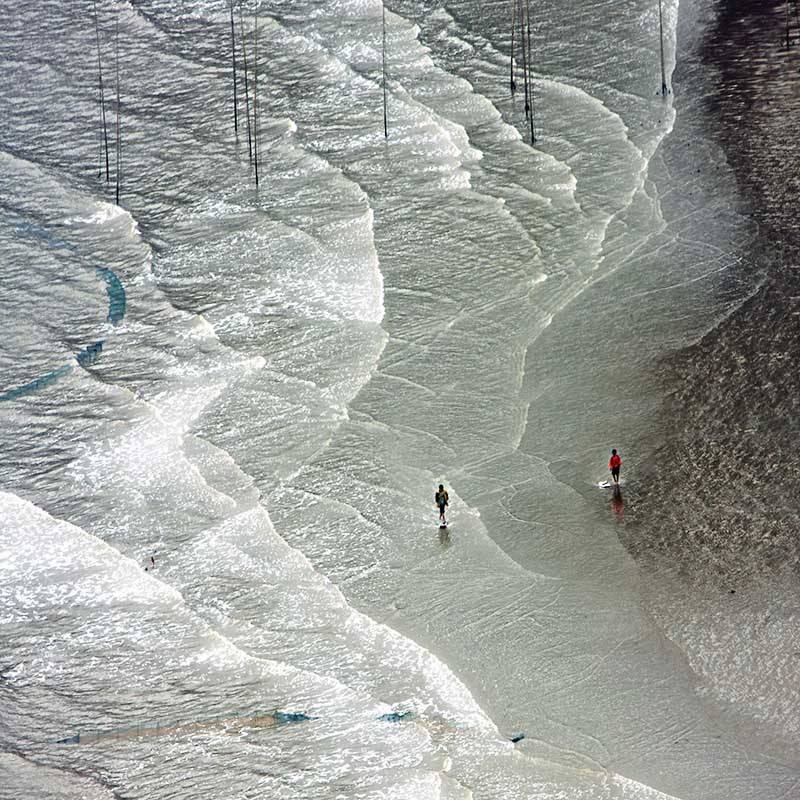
732, 409
716, 526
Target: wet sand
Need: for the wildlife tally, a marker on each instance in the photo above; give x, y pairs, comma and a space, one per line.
728, 475
716, 525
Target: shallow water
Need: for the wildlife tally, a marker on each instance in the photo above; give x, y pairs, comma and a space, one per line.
228, 509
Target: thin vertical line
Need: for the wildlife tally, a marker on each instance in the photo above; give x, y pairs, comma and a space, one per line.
661, 41
102, 94
233, 59
119, 107
383, 52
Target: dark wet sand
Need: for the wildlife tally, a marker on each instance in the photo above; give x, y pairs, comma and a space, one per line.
727, 506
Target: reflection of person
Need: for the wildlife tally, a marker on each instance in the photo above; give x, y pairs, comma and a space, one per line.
444, 536
615, 462
442, 501
616, 501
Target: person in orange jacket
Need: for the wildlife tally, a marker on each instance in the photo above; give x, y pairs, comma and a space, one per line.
615, 462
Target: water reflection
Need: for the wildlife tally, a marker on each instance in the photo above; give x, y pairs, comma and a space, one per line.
444, 537
616, 501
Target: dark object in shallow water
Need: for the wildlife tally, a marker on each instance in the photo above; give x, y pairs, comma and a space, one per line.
661, 42
89, 354
291, 716
394, 716
116, 295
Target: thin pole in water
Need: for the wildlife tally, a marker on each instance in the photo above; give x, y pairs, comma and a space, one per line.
104, 143
513, 26
255, 90
787, 24
246, 87
119, 137
383, 56
661, 40
530, 70
524, 57
233, 60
